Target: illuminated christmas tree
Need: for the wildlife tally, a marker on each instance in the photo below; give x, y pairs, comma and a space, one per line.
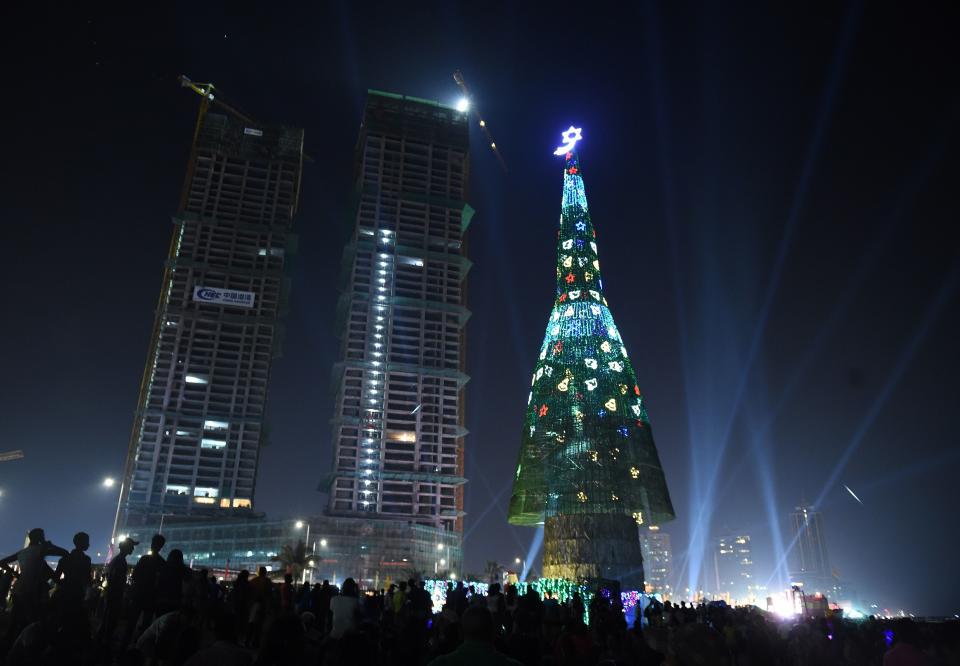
588, 469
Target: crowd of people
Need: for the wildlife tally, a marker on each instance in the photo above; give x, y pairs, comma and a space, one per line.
162, 612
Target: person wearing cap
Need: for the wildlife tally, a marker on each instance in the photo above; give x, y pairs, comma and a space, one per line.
116, 585
31, 589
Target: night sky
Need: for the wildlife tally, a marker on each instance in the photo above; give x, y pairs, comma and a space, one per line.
775, 196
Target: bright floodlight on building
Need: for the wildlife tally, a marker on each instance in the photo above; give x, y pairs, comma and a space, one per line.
299, 525
439, 546
323, 543
109, 482
463, 105
516, 560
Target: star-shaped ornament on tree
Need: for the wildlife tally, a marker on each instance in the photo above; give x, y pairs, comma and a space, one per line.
581, 226
569, 138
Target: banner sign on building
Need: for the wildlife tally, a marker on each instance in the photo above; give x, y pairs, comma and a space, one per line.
243, 299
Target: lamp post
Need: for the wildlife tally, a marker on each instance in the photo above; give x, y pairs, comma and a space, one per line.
110, 482
441, 562
299, 525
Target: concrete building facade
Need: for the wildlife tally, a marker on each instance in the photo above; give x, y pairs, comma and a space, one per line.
199, 422
398, 424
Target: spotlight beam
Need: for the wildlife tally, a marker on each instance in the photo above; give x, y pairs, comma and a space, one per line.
946, 291
825, 111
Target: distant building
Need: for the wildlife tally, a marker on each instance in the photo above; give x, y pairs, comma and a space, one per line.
733, 568
199, 421
370, 551
398, 422
809, 563
657, 560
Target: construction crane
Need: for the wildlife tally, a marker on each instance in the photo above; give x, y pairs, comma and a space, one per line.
7, 456
209, 94
458, 77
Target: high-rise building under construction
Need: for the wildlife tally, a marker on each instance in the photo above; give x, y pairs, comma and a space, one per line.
199, 422
398, 425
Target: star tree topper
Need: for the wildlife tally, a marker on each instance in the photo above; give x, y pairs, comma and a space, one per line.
570, 138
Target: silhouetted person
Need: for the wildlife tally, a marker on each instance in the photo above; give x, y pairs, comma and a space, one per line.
170, 580
288, 593
116, 586
260, 597
73, 575
145, 577
225, 651
239, 599
477, 647
30, 590
322, 606
345, 609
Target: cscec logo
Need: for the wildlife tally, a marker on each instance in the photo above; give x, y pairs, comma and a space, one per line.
207, 294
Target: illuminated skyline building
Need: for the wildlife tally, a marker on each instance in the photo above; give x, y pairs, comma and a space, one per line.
398, 425
199, 423
809, 562
657, 560
733, 568
588, 469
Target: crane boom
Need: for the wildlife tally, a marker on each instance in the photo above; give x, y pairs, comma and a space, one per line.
207, 91
462, 84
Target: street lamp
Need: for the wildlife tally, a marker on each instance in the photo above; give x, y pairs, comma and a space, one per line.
306, 543
523, 564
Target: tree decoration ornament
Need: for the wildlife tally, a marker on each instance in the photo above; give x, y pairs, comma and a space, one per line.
570, 477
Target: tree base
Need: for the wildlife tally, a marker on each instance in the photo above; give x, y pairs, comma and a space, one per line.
593, 546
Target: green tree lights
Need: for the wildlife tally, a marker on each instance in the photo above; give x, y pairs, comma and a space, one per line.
586, 447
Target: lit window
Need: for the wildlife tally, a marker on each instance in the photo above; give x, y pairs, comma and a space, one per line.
215, 425
207, 443
241, 504
224, 503
183, 433
177, 490
196, 379
201, 491
204, 500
